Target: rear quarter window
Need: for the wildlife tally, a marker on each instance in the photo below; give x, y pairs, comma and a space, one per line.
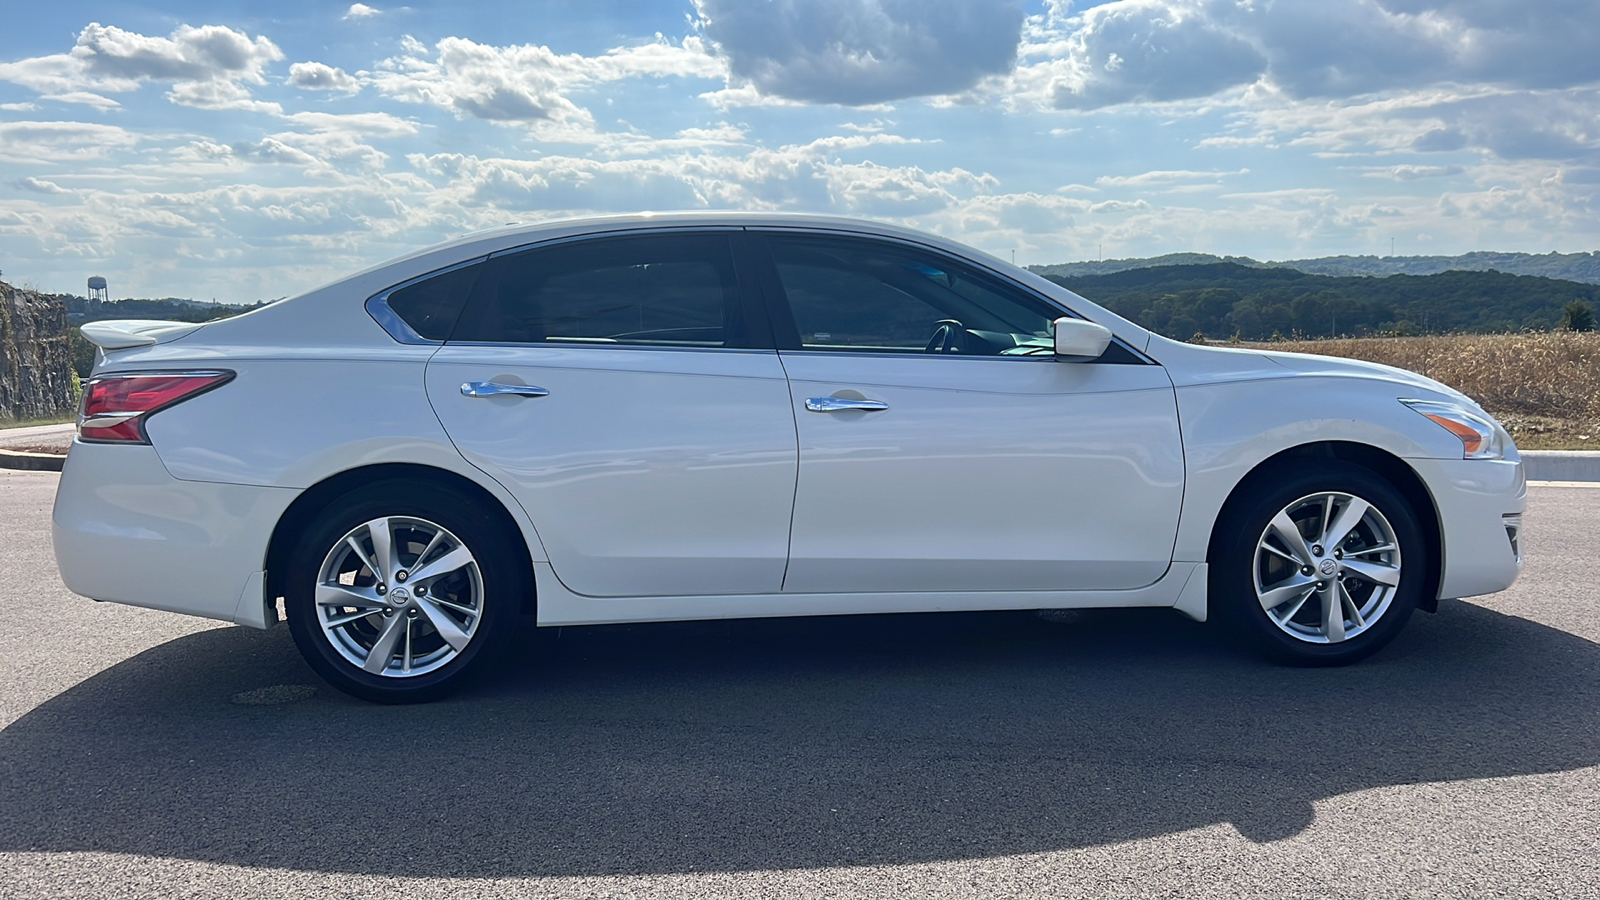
431, 305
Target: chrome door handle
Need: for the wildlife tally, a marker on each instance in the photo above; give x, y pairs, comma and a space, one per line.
839, 404
495, 389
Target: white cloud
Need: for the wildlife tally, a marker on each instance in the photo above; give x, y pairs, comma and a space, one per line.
1131, 51
1163, 177
218, 95
857, 52
206, 53
204, 64
40, 186
53, 141
527, 83
360, 11
315, 76
1145, 50
367, 124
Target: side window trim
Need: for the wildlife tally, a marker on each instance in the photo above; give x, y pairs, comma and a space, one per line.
378, 308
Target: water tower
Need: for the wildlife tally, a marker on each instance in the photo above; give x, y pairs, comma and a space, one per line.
97, 289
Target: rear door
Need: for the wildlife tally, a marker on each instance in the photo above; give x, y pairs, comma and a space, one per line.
622, 390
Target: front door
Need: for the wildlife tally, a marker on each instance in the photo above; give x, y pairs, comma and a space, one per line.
944, 448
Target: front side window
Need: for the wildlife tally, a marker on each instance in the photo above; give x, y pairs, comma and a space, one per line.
654, 290
866, 296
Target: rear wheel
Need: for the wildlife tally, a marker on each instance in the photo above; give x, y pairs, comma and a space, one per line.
401, 591
1322, 564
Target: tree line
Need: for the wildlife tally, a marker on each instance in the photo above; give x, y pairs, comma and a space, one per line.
1227, 300
1583, 267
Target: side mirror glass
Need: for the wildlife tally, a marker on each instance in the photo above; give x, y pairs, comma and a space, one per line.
1080, 341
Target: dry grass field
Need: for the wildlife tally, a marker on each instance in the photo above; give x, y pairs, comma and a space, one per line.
1545, 388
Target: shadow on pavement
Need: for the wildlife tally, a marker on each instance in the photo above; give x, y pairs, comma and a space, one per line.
778, 744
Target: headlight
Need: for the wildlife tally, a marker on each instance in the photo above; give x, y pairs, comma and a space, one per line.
1480, 437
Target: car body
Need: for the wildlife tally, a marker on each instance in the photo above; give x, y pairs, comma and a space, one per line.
722, 415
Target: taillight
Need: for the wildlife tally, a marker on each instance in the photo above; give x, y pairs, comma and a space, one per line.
115, 406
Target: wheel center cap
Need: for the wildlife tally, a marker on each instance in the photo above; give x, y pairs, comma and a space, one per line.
1326, 567
399, 596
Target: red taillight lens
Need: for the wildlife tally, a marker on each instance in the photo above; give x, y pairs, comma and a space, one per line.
115, 406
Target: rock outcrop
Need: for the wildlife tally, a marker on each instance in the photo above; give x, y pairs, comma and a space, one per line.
35, 356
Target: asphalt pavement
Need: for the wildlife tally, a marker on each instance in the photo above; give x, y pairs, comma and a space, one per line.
145, 754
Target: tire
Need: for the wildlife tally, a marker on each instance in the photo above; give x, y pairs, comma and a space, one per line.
1278, 590
438, 624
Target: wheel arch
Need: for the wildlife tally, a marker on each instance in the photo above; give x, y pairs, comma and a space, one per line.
313, 499
1385, 465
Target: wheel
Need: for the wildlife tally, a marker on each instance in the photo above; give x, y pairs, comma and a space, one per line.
401, 591
1322, 563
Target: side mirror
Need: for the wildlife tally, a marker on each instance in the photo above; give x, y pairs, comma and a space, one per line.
1080, 341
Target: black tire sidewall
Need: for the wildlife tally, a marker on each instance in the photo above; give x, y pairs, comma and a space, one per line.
457, 513
1232, 581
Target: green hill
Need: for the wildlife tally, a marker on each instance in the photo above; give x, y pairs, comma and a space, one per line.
1226, 299
1584, 267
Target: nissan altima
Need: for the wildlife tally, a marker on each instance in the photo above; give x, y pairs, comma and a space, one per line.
698, 415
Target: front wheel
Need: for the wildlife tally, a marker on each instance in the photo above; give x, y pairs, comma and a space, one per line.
401, 591
1322, 564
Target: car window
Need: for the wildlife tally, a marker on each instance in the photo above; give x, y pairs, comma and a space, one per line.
858, 295
655, 290
431, 304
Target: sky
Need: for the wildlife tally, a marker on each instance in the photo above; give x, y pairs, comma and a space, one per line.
243, 151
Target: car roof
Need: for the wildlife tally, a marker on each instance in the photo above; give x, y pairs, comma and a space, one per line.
491, 240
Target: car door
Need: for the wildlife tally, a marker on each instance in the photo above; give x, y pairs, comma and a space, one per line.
943, 447
621, 390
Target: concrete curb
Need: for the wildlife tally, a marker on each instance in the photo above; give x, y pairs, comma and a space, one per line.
1561, 465
34, 462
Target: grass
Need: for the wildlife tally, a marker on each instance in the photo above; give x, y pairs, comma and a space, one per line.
62, 419
1544, 387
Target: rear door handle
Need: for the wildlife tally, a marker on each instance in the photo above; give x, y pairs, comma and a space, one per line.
495, 389
839, 404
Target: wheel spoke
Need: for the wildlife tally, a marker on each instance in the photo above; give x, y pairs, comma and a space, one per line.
455, 559
383, 648
1348, 519
348, 618
1350, 607
344, 595
1294, 608
1365, 551
1295, 587
382, 549
1374, 572
362, 555
432, 543
1289, 533
451, 604
1332, 616
405, 660
446, 626
1271, 549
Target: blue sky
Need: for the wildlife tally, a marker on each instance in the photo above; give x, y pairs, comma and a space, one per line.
244, 151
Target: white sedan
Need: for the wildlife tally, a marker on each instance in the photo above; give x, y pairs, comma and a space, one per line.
694, 416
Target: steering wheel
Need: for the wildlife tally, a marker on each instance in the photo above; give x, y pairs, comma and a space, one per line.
949, 336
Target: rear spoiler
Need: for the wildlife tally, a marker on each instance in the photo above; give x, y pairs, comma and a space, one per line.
119, 334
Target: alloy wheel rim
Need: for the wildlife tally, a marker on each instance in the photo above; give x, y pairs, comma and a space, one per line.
1327, 567
399, 596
